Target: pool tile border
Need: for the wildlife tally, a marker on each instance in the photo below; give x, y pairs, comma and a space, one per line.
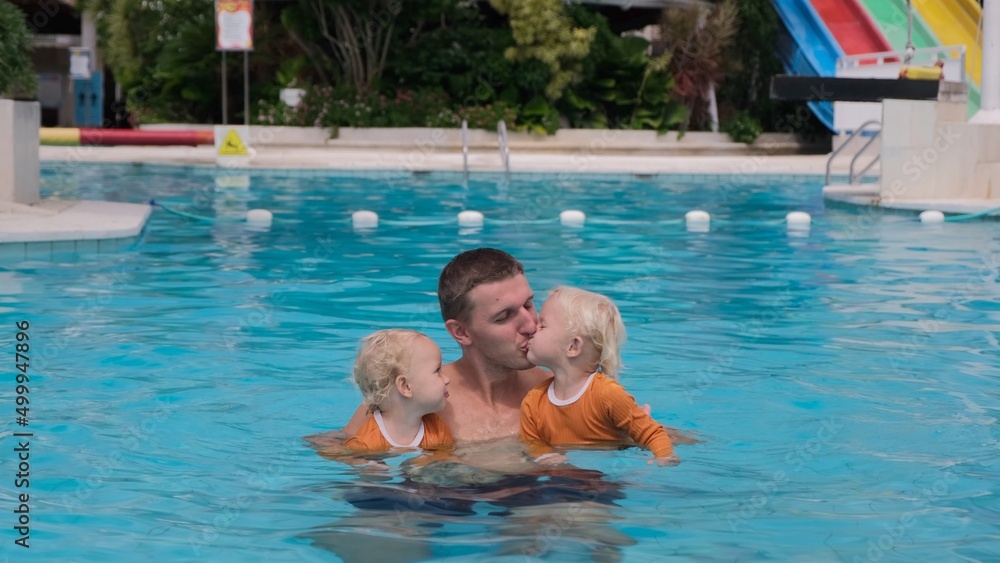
458, 176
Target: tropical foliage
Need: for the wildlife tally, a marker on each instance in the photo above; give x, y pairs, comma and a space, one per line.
536, 64
542, 31
347, 41
621, 86
16, 74
697, 40
163, 54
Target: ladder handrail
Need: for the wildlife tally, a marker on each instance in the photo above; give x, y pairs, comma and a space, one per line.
465, 148
861, 174
850, 171
504, 147
860, 129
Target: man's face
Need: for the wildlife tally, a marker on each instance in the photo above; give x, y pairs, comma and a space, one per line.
502, 320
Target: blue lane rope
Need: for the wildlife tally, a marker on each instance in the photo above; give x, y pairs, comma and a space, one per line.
619, 222
427, 223
524, 221
184, 214
967, 216
771, 223
194, 217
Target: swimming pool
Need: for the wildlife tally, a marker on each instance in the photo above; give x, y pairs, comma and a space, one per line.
844, 382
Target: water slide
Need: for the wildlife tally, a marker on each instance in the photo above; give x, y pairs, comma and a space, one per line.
891, 17
817, 33
850, 25
807, 48
956, 22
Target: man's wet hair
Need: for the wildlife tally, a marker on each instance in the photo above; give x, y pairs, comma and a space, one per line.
468, 270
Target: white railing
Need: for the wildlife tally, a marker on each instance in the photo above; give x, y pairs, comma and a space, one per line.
891, 61
852, 177
465, 149
504, 147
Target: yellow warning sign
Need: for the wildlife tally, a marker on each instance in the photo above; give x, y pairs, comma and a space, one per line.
232, 145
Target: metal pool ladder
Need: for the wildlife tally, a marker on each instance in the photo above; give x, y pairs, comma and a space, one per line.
852, 177
465, 149
504, 147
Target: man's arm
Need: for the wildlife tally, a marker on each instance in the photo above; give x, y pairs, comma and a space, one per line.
353, 425
336, 438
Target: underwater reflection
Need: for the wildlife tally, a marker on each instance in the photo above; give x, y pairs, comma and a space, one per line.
481, 500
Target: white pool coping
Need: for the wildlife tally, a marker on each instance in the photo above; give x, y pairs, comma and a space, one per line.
868, 196
581, 161
54, 220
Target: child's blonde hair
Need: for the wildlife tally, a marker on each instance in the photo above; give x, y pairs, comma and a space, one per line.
384, 355
595, 316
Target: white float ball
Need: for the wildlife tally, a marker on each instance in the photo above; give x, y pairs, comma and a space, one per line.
259, 217
798, 220
572, 218
932, 216
470, 219
364, 219
697, 217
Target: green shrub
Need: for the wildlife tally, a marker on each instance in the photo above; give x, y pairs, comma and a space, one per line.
16, 74
484, 117
622, 88
404, 109
743, 128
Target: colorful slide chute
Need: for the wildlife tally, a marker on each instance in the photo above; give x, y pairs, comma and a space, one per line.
956, 22
817, 32
807, 48
851, 27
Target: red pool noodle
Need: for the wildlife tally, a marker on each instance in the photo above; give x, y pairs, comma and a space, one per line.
110, 137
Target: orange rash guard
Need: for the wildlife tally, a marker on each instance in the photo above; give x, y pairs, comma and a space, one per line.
602, 412
372, 436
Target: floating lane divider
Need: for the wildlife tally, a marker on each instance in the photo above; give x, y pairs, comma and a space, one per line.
931, 217
254, 217
696, 221
115, 137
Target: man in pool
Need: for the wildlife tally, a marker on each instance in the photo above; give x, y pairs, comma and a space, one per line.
488, 308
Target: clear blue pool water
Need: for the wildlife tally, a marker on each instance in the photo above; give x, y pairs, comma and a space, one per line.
844, 383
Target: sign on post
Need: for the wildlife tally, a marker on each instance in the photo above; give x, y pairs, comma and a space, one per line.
234, 25
234, 32
79, 64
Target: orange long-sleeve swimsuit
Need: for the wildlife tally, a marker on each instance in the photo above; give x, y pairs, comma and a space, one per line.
603, 412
